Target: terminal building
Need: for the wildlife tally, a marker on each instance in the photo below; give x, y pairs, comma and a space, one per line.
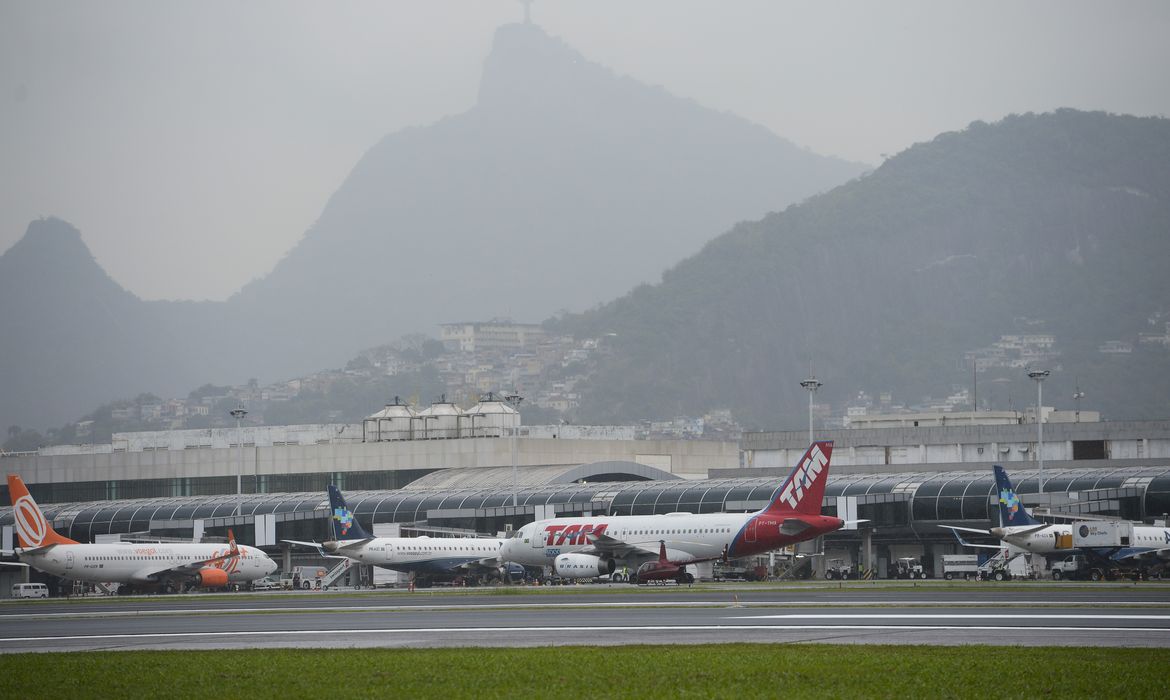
268, 484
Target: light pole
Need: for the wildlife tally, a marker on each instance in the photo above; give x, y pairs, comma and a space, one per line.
239, 413
1039, 375
1077, 396
811, 384
514, 401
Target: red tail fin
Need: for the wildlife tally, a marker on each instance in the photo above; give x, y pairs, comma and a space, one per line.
32, 530
662, 552
804, 488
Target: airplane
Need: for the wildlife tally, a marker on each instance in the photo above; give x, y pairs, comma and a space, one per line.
132, 564
588, 547
424, 558
1019, 528
662, 570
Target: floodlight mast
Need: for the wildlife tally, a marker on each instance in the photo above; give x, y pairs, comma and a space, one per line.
238, 413
1039, 375
514, 401
811, 385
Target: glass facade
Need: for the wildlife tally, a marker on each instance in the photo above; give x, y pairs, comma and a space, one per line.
1143, 492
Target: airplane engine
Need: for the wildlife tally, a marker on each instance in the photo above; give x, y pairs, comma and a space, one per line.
582, 566
211, 577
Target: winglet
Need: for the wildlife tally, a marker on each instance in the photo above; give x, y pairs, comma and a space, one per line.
32, 530
345, 524
235, 551
804, 489
1011, 510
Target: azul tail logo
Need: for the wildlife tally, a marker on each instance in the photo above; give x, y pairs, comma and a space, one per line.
345, 525
804, 489
1011, 510
32, 530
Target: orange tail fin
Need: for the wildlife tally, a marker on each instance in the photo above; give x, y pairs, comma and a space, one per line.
32, 530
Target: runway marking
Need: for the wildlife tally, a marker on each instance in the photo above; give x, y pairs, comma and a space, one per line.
632, 604
640, 628
947, 616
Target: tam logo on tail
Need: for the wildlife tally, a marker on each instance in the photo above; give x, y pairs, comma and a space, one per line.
804, 476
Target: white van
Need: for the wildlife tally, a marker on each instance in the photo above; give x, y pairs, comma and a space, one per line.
30, 590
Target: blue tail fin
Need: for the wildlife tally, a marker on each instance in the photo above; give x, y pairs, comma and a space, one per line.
345, 524
1011, 510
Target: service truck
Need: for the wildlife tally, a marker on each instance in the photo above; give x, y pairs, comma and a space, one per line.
960, 565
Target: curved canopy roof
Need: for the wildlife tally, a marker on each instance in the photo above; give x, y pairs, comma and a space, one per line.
945, 496
501, 477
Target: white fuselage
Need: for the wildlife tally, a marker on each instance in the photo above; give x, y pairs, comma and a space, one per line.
1054, 538
425, 554
144, 563
688, 537
1058, 537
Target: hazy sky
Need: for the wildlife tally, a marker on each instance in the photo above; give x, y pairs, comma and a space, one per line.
192, 143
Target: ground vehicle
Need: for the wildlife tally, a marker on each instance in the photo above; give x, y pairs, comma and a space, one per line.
307, 577
960, 565
30, 590
268, 583
839, 569
907, 567
1080, 567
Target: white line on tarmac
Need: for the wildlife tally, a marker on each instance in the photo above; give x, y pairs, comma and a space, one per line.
946, 616
648, 604
504, 630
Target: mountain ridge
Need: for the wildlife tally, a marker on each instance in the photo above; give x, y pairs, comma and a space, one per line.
949, 242
566, 187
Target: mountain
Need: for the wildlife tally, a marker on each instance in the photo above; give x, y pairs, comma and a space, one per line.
68, 329
1053, 223
563, 186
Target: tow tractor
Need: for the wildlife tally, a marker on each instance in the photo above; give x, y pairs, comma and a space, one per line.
908, 567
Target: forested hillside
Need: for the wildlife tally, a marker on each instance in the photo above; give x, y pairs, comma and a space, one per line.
1056, 223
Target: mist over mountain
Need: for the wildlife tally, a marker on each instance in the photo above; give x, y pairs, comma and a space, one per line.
1053, 223
564, 186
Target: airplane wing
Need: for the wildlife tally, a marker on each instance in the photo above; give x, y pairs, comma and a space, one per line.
485, 564
952, 528
312, 545
955, 531
619, 549
603, 544
1140, 553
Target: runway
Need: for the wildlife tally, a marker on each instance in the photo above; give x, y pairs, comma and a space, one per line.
1035, 615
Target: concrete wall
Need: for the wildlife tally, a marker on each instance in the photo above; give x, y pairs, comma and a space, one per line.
686, 458
976, 445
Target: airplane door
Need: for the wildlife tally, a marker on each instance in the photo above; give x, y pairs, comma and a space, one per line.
538, 539
68, 560
749, 534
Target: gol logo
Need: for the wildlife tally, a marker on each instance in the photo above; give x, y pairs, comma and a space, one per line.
30, 523
230, 564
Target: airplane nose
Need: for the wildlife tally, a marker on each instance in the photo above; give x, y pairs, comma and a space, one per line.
269, 567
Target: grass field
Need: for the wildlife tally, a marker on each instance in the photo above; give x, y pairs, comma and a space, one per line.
701, 671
